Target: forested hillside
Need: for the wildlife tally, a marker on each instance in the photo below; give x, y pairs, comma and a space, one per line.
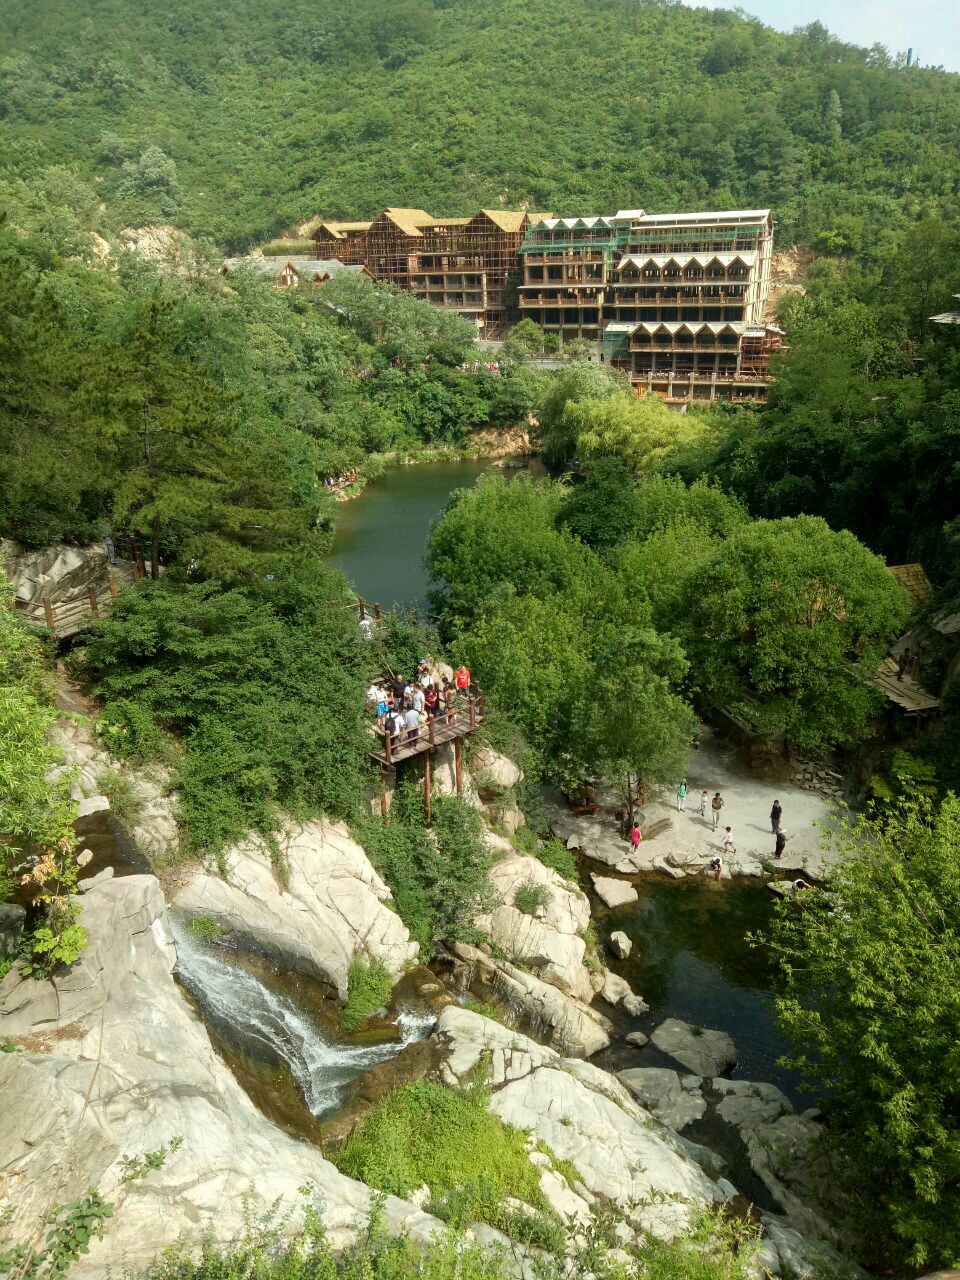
234, 121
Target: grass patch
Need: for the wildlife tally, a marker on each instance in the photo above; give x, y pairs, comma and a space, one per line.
551, 852
368, 987
530, 896
205, 928
485, 1010
125, 803
471, 1161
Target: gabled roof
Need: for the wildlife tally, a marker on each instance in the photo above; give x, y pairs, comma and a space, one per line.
505, 219
575, 224
914, 581
650, 327
684, 260
270, 266
409, 220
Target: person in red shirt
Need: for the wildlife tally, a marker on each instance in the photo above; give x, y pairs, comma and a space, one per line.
462, 678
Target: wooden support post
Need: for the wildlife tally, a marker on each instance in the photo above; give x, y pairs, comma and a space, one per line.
377, 613
387, 738
383, 799
363, 609
94, 607
48, 614
430, 731
426, 787
113, 587
473, 714
458, 765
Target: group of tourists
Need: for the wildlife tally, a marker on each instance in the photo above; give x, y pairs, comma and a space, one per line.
402, 706
727, 846
340, 481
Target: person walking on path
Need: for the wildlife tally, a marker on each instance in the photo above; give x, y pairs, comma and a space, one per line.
704, 797
782, 839
716, 804
776, 813
727, 841
636, 835
681, 795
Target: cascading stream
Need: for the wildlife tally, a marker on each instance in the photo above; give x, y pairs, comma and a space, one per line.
245, 1011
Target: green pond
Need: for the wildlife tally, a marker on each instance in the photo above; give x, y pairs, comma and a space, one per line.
381, 535
692, 959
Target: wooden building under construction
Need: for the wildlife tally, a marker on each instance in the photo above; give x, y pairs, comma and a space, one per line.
460, 263
677, 300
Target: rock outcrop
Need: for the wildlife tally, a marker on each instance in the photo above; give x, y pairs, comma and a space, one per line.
585, 1116
114, 1062
612, 892
568, 1025
332, 907
58, 573
676, 1100
705, 1053
550, 941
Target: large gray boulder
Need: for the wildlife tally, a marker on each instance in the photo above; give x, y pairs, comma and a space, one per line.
116, 1063
332, 907
676, 1100
585, 1116
550, 941
58, 573
567, 1024
11, 928
704, 1052
613, 892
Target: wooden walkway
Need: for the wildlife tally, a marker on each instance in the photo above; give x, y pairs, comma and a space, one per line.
66, 617
435, 733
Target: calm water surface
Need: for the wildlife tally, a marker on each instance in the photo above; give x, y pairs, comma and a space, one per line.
691, 960
381, 536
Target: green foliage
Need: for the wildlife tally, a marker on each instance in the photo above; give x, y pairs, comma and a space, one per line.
125, 801
554, 638
549, 850
484, 1009
58, 942
530, 896
439, 878
265, 690
136, 1168
640, 431
204, 928
871, 996
71, 1228
368, 987
426, 1133
559, 425
787, 622
685, 108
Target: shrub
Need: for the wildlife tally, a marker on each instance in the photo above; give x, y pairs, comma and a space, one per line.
446, 1138
368, 987
551, 852
530, 896
440, 878
205, 928
125, 803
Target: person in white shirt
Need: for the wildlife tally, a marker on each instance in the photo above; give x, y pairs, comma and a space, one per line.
727, 841
416, 700
373, 696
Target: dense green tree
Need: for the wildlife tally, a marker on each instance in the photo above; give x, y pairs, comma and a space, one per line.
560, 425
640, 431
871, 998
786, 622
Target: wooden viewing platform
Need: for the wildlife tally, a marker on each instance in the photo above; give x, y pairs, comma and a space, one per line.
437, 731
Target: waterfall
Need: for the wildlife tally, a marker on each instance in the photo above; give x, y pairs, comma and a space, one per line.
268, 1023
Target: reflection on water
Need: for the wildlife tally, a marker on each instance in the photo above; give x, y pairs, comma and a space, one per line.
691, 960
381, 536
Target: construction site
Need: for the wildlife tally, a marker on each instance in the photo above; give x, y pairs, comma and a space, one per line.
677, 301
